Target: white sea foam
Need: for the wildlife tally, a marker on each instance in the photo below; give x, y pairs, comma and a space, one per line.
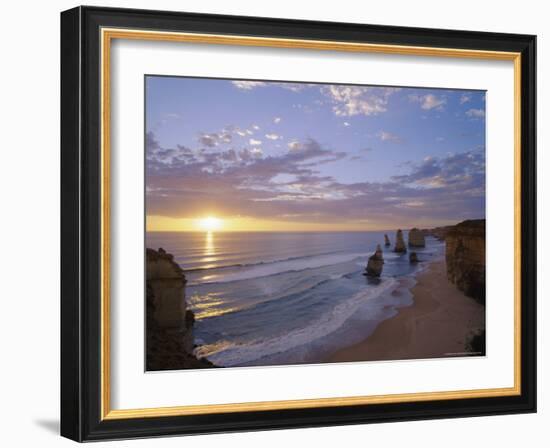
230, 354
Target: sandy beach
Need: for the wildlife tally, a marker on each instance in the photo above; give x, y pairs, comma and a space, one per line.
437, 324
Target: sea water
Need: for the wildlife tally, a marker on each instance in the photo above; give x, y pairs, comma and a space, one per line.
267, 298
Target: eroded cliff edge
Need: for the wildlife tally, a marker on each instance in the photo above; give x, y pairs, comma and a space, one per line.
170, 341
465, 257
416, 238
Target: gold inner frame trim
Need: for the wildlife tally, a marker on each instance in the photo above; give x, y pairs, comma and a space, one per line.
107, 35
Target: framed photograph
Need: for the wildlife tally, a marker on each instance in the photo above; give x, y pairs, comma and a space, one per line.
273, 223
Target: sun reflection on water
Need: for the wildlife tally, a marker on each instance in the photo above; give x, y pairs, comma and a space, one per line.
209, 243
209, 251
209, 305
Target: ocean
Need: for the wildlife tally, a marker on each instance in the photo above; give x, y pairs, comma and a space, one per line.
288, 297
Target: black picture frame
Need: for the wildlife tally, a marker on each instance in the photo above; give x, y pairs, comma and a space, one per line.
81, 224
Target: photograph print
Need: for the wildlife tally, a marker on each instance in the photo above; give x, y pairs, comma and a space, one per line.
307, 223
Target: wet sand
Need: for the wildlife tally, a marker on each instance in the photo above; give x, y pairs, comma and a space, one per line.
437, 324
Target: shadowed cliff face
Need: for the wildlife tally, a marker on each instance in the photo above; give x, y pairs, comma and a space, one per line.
169, 324
437, 232
465, 257
167, 283
399, 243
375, 263
416, 238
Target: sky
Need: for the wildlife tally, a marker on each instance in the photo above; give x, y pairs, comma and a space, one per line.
282, 156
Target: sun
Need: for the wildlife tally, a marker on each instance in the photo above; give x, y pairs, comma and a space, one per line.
210, 224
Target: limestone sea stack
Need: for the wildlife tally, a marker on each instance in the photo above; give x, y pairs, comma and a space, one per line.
416, 238
413, 257
399, 243
170, 339
465, 257
386, 241
375, 263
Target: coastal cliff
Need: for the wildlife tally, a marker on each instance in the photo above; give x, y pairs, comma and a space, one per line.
465, 257
170, 339
416, 238
437, 232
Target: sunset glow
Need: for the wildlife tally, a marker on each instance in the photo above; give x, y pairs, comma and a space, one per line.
289, 205
243, 156
210, 224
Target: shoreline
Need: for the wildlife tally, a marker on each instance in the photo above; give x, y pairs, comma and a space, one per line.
436, 325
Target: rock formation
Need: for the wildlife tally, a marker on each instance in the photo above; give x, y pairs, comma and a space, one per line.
169, 323
413, 257
437, 232
465, 257
386, 241
167, 283
476, 344
399, 243
375, 263
416, 238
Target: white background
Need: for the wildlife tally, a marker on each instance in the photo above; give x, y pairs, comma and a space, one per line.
29, 180
132, 388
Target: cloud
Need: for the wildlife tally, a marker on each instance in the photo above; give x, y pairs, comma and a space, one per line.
346, 124
475, 113
230, 155
151, 143
209, 140
465, 98
292, 86
214, 139
273, 136
389, 137
167, 156
257, 152
249, 154
428, 101
184, 182
277, 120
246, 155
348, 101
411, 204
254, 142
248, 85
256, 127
294, 145
461, 171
